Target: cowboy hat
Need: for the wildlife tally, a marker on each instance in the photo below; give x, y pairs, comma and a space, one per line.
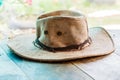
61, 36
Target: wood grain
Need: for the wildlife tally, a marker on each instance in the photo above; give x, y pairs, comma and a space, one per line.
47, 71
9, 70
101, 68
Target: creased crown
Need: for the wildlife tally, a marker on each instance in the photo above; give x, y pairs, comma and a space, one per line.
62, 28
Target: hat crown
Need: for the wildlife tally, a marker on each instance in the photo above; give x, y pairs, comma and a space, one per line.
62, 28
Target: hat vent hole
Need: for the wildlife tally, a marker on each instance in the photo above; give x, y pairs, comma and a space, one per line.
59, 33
45, 32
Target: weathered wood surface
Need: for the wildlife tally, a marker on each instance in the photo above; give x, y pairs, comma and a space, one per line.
101, 68
97, 68
47, 71
9, 70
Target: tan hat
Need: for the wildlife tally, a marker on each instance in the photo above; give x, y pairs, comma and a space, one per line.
61, 36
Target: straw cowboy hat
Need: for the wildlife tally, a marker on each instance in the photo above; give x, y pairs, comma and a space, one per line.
61, 36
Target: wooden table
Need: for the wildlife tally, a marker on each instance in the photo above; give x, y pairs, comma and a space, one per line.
106, 67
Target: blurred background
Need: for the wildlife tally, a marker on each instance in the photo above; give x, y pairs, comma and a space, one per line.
19, 16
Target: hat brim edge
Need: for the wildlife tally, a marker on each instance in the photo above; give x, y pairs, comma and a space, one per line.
64, 59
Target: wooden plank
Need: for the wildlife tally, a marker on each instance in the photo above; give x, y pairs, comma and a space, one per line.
9, 70
101, 68
48, 71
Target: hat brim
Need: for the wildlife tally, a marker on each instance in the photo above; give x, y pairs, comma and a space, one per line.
102, 44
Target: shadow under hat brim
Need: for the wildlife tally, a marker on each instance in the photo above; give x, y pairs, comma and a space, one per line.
102, 44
